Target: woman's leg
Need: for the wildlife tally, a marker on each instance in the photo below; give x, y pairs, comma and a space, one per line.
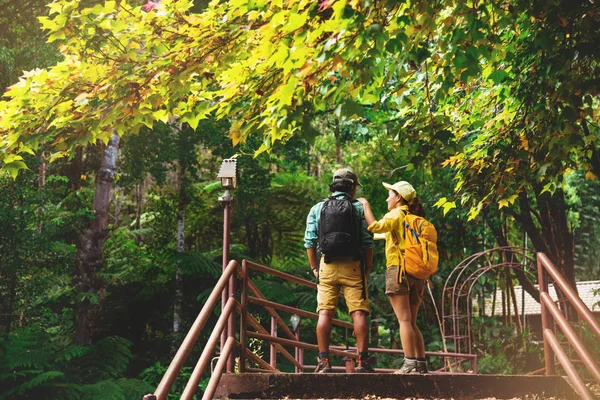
419, 347
401, 305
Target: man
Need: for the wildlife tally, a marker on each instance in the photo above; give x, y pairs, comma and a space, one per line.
340, 253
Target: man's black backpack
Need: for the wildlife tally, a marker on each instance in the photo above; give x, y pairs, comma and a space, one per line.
339, 229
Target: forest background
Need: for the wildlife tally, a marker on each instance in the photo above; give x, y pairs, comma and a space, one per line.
110, 228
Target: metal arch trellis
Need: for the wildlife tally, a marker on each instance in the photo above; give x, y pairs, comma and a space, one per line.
458, 288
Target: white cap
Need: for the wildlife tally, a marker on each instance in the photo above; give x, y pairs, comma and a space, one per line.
403, 188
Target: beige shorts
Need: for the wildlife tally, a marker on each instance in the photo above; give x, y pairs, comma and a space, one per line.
410, 285
344, 275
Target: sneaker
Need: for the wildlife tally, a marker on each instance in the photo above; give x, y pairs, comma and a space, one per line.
364, 366
422, 367
409, 367
323, 366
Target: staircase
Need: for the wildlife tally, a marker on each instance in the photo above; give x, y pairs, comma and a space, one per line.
259, 379
430, 386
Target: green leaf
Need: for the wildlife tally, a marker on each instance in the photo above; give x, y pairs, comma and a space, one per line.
14, 167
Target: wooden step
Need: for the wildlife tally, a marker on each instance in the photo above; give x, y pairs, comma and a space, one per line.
390, 386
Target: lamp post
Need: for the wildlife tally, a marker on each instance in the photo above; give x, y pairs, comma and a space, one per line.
228, 176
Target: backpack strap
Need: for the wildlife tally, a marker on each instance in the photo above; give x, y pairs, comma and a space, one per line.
415, 234
402, 268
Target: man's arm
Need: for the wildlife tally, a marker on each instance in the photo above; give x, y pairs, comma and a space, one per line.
314, 261
311, 237
367, 240
369, 217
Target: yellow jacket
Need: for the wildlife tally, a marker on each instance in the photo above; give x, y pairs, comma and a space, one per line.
392, 224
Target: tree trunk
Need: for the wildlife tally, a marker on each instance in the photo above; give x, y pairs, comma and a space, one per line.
90, 250
180, 249
553, 236
338, 143
12, 291
502, 241
182, 203
138, 209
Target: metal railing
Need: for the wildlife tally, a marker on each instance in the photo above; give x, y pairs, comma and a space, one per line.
191, 338
224, 328
349, 353
551, 312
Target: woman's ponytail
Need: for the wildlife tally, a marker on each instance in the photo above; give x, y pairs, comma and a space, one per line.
416, 207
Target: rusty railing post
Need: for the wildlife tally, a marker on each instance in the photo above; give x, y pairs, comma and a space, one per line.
273, 360
299, 352
243, 317
231, 323
225, 202
546, 322
349, 363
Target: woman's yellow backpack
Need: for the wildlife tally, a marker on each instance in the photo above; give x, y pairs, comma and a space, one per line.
421, 253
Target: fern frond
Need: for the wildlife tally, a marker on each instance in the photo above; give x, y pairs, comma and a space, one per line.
307, 300
37, 381
194, 263
40, 380
103, 390
276, 291
53, 287
72, 352
134, 388
24, 350
108, 358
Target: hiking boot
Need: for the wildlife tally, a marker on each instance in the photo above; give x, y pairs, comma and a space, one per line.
422, 367
409, 367
323, 366
364, 366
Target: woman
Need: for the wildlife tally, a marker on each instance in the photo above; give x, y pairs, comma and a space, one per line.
405, 292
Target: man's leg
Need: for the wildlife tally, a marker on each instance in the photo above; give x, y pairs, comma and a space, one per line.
361, 330
327, 297
324, 330
358, 306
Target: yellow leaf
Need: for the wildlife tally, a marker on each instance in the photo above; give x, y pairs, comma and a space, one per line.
590, 176
295, 21
458, 185
548, 188
473, 213
287, 91
502, 203
11, 157
235, 132
440, 202
448, 206
161, 115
